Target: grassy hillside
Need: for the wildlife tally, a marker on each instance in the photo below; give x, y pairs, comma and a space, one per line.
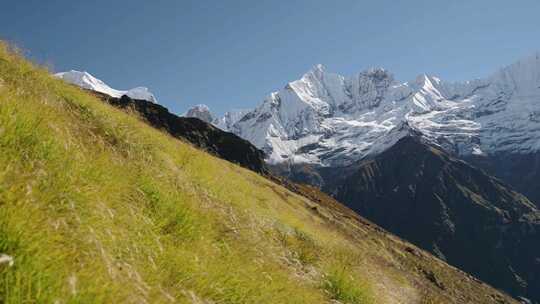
95, 206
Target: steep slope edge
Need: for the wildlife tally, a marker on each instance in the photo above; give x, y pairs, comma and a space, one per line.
202, 134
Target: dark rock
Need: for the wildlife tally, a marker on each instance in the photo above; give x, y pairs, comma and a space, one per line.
519, 170
203, 135
468, 218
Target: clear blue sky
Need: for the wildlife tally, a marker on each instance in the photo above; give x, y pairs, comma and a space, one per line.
231, 54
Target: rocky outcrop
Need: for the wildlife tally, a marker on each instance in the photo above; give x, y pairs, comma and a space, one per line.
201, 134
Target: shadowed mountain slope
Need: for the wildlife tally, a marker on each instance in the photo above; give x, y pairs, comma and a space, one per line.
466, 217
520, 170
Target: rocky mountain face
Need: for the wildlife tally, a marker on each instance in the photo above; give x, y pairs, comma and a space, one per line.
196, 131
458, 212
520, 170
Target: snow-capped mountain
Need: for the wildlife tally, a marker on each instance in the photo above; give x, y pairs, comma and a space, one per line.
202, 112
328, 119
227, 121
87, 81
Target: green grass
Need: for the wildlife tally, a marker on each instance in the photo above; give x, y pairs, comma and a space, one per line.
301, 246
346, 289
97, 207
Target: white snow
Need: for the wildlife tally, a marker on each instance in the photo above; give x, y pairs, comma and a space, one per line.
87, 81
201, 112
226, 122
328, 119
477, 151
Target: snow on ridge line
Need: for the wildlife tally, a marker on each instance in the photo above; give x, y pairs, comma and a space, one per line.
329, 119
200, 111
225, 122
88, 81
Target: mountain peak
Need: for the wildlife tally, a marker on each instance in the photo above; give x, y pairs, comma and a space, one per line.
522, 76
83, 79
87, 81
426, 79
318, 68
318, 72
377, 72
202, 112
378, 76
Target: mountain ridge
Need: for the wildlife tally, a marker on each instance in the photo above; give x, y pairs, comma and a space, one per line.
194, 130
88, 81
324, 113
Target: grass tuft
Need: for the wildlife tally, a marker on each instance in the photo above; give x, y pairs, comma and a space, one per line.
342, 286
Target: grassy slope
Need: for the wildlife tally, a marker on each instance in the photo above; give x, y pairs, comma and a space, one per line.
95, 206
